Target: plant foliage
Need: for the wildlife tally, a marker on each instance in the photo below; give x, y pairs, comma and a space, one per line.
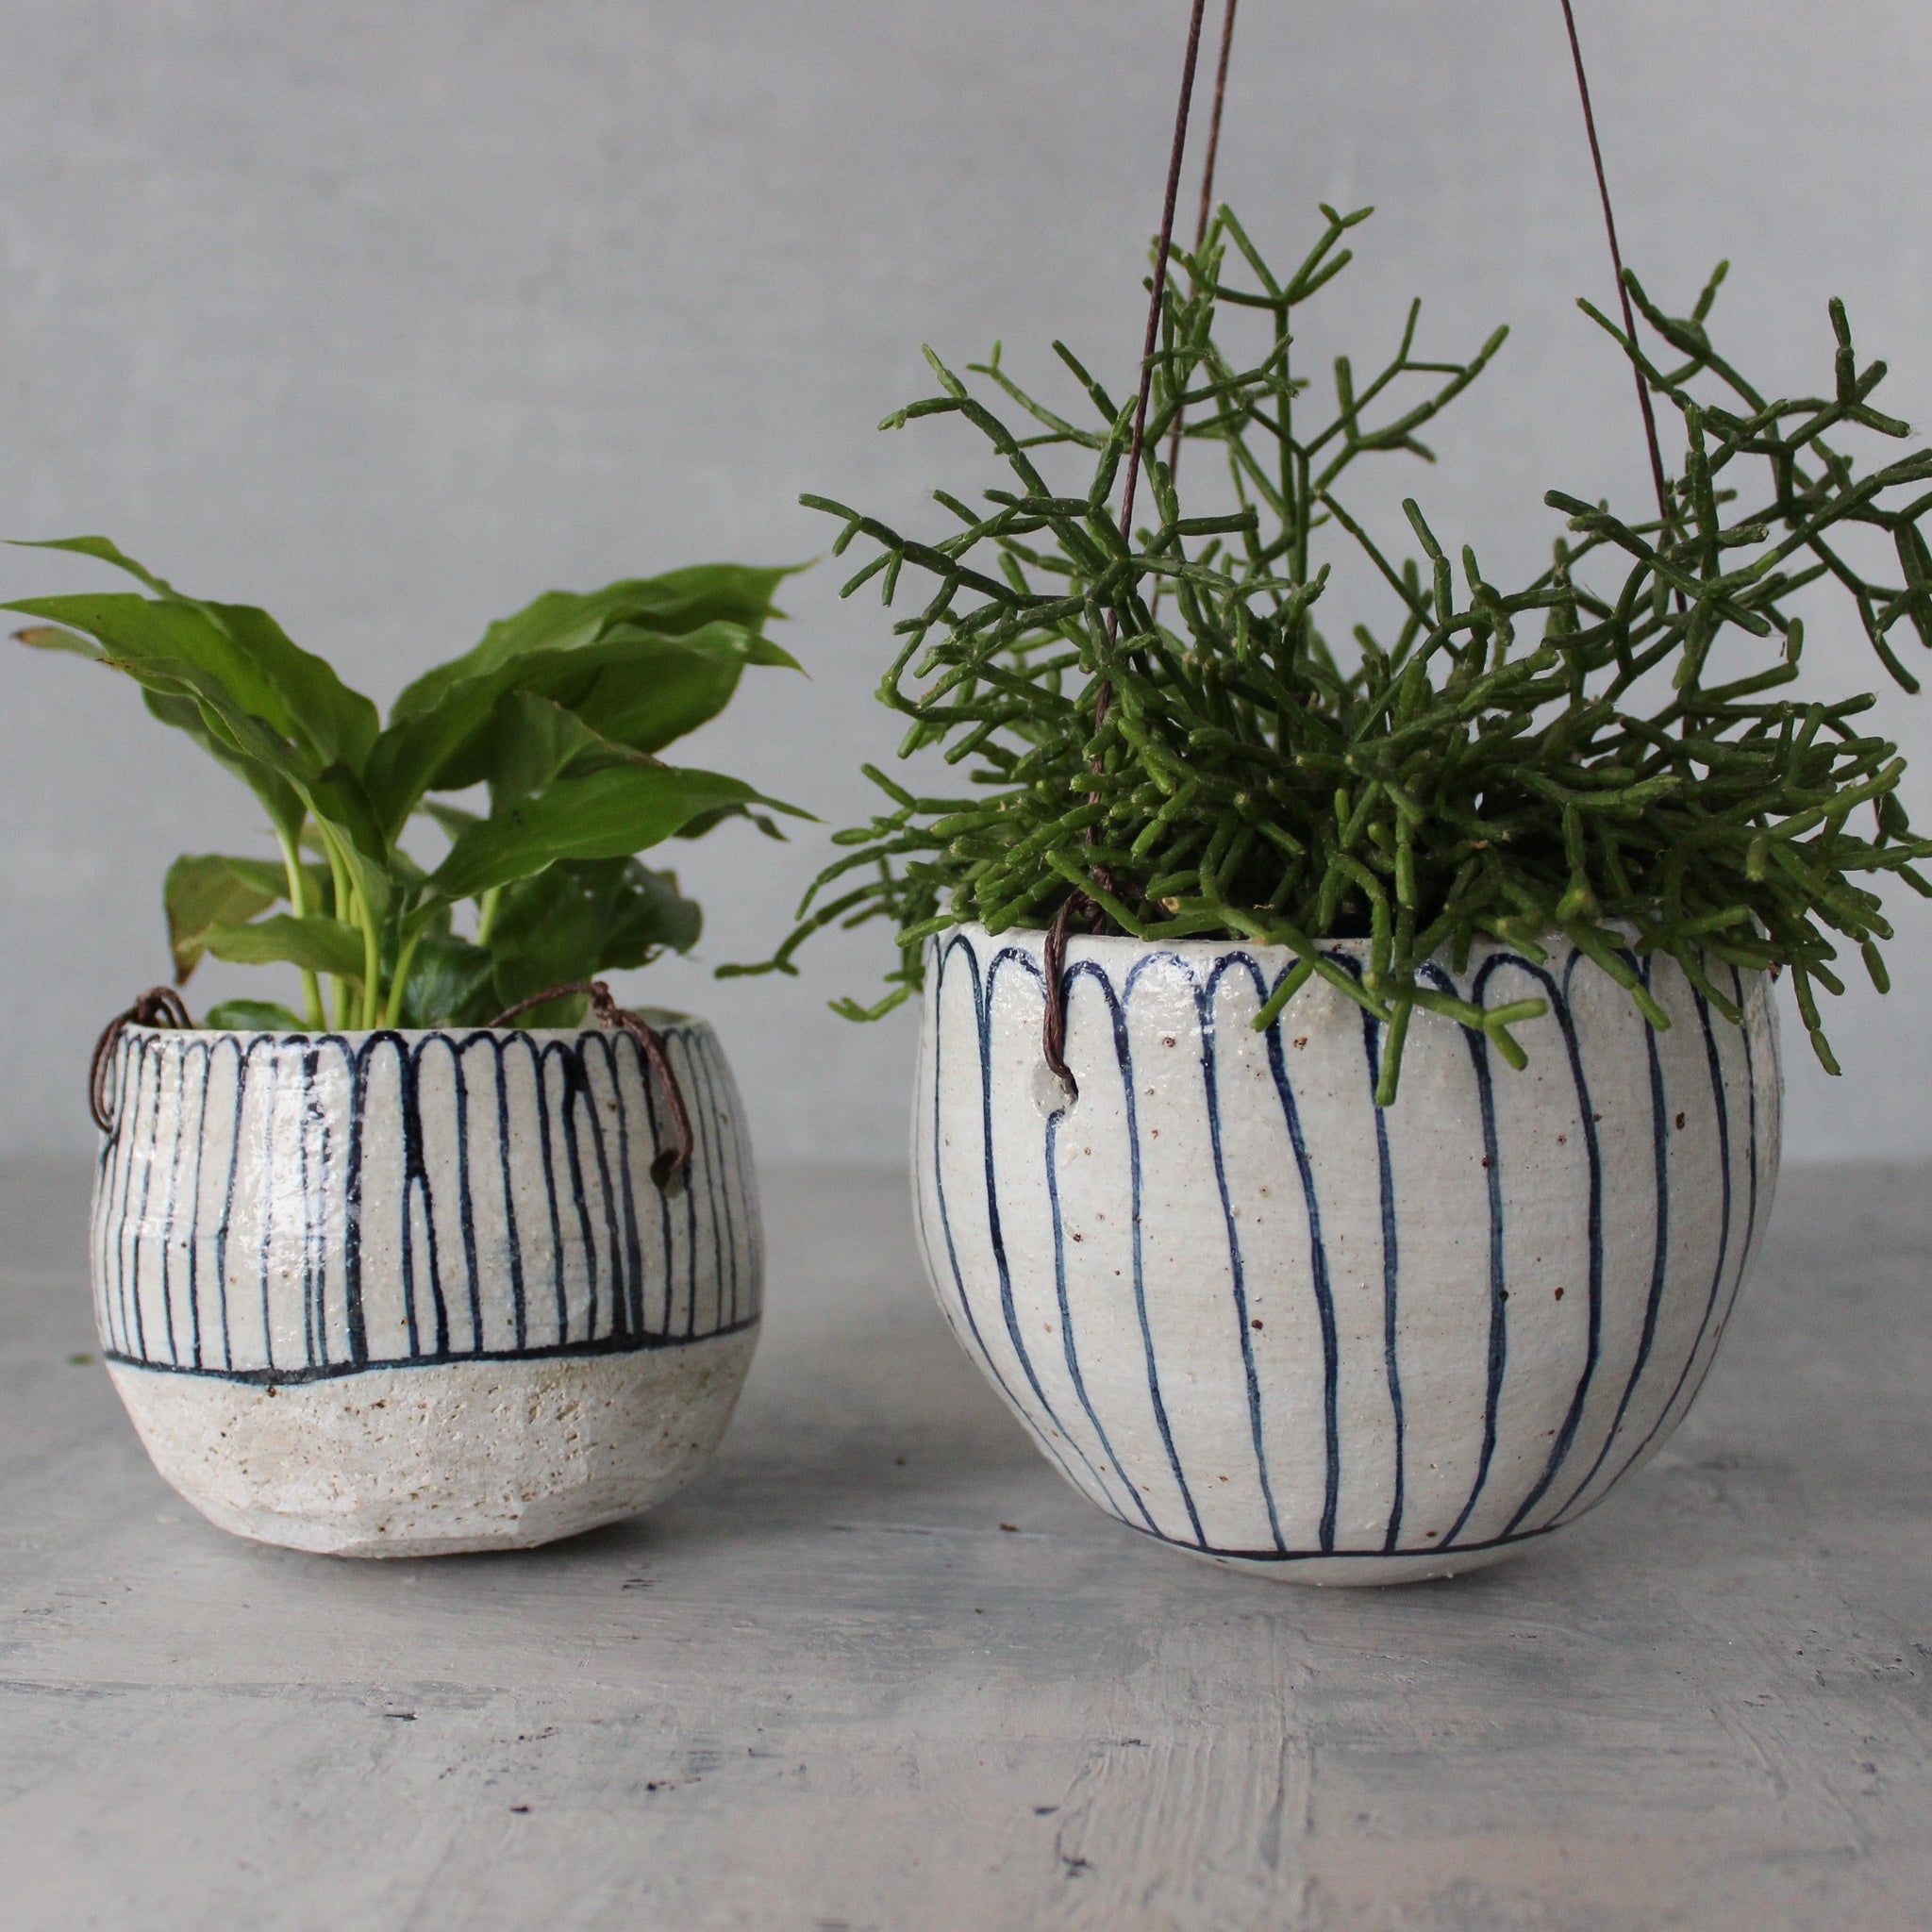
559, 712
1164, 730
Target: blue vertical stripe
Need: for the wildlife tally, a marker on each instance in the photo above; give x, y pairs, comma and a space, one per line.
1568, 1460
168, 1215
1566, 1433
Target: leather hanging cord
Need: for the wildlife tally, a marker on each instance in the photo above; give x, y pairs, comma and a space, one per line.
1207, 213
159, 1006
1077, 905
1602, 188
1155, 298
670, 1166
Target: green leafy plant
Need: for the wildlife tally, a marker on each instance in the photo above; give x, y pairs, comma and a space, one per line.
1164, 740
559, 712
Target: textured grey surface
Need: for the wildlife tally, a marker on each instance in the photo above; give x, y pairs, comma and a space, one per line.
389, 317
880, 1672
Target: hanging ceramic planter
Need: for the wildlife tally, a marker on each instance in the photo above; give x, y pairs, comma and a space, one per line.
402, 1293
1349, 1093
1254, 1316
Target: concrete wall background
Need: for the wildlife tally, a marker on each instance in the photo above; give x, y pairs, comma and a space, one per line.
389, 317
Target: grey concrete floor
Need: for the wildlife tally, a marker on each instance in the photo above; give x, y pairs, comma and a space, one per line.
880, 1670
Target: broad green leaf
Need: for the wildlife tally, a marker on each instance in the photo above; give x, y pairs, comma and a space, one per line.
252, 1016
108, 551
546, 933
533, 741
649, 914
609, 814
267, 763
133, 630
584, 917
577, 919
334, 794
233, 667
636, 687
673, 605
207, 890
255, 666
170, 689
451, 983
315, 944
649, 691
340, 722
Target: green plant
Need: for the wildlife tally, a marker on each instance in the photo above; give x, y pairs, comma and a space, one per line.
1163, 738
559, 712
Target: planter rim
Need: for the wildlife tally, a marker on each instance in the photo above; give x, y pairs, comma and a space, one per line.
659, 1017
1127, 943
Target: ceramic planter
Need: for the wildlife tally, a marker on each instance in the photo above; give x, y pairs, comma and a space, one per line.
400, 1293
1255, 1317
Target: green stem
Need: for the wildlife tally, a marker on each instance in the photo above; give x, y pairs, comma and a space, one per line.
392, 1007
486, 913
344, 899
298, 900
371, 962
352, 908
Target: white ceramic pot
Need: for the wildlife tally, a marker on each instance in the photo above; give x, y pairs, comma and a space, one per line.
1255, 1317
402, 1293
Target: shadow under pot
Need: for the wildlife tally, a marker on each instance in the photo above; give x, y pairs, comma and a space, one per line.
402, 1293
1258, 1318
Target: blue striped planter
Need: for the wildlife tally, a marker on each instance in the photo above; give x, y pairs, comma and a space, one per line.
389, 1294
1255, 1317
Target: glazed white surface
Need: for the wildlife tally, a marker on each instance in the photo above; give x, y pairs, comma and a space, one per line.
1255, 1317
400, 1291
497, 1184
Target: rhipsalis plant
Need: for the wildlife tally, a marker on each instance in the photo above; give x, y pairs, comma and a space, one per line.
559, 712
1166, 728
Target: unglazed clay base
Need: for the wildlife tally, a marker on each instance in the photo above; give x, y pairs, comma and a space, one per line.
396, 1294
429, 1461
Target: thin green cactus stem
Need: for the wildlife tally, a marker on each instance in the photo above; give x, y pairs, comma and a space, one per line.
1610, 753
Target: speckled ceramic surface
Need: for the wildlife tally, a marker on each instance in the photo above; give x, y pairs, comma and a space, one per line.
1259, 1319
394, 1293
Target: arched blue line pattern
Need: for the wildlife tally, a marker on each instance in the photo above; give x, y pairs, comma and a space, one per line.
1216, 1287
291, 1208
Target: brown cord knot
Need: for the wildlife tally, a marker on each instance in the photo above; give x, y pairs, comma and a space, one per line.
1052, 1032
668, 1168
158, 1006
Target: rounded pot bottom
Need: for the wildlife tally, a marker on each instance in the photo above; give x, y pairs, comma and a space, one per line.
437, 1458
1367, 1570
